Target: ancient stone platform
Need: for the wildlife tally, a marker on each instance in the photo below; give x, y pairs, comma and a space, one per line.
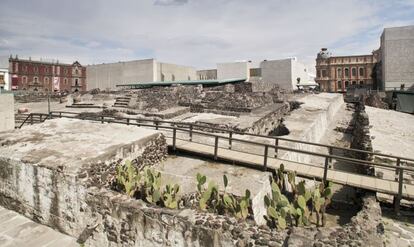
183, 170
52, 172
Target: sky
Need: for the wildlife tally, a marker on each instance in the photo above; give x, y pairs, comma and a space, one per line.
199, 33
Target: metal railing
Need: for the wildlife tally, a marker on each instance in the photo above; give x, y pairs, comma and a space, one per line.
191, 130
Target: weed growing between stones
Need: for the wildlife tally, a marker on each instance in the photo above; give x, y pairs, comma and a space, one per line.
145, 185
295, 208
212, 200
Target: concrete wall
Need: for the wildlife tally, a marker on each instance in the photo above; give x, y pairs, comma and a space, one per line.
397, 46
5, 74
233, 70
6, 112
284, 73
107, 76
174, 72
208, 74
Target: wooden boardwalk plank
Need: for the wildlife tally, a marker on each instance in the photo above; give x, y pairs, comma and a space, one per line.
337, 176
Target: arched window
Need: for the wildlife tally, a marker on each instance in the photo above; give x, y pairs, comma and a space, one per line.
361, 71
354, 72
46, 80
339, 74
339, 85
24, 79
346, 72
35, 79
346, 84
361, 82
65, 81
353, 82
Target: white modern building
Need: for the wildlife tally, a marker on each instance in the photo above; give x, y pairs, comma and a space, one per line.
233, 70
286, 73
397, 58
4, 73
107, 76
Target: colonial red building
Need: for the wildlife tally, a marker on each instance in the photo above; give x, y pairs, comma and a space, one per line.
46, 76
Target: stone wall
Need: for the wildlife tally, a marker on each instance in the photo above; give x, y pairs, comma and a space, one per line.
365, 229
361, 138
309, 123
6, 112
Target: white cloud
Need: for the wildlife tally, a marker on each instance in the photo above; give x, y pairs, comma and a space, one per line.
197, 32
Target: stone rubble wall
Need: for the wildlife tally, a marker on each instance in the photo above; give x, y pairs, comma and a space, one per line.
361, 138
268, 123
365, 229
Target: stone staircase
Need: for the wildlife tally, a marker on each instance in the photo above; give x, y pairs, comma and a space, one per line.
123, 101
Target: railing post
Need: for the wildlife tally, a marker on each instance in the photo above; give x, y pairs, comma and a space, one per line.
156, 125
265, 157
330, 150
325, 171
191, 132
127, 121
138, 123
40, 118
397, 200
60, 114
276, 145
174, 138
215, 147
230, 139
396, 170
102, 119
31, 119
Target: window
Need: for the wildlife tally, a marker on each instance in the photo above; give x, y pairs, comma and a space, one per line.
46, 70
25, 68
36, 69
47, 80
76, 82
353, 82
354, 72
65, 81
318, 73
361, 71
65, 71
339, 84
24, 79
361, 82
346, 72
35, 79
346, 84
339, 74
324, 73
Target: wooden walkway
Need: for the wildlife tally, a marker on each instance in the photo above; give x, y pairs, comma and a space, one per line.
302, 170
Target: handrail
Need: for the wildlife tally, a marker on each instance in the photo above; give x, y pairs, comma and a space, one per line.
328, 157
256, 135
352, 160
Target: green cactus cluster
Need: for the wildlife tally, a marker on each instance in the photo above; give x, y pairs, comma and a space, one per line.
212, 200
146, 185
282, 212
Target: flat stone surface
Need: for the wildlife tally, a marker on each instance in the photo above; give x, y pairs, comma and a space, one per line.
17, 230
392, 132
70, 143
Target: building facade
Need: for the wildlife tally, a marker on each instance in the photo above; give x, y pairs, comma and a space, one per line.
4, 73
397, 58
336, 73
40, 76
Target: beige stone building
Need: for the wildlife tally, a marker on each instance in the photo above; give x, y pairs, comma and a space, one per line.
336, 73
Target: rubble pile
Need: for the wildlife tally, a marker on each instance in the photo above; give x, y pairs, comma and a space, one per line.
374, 100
